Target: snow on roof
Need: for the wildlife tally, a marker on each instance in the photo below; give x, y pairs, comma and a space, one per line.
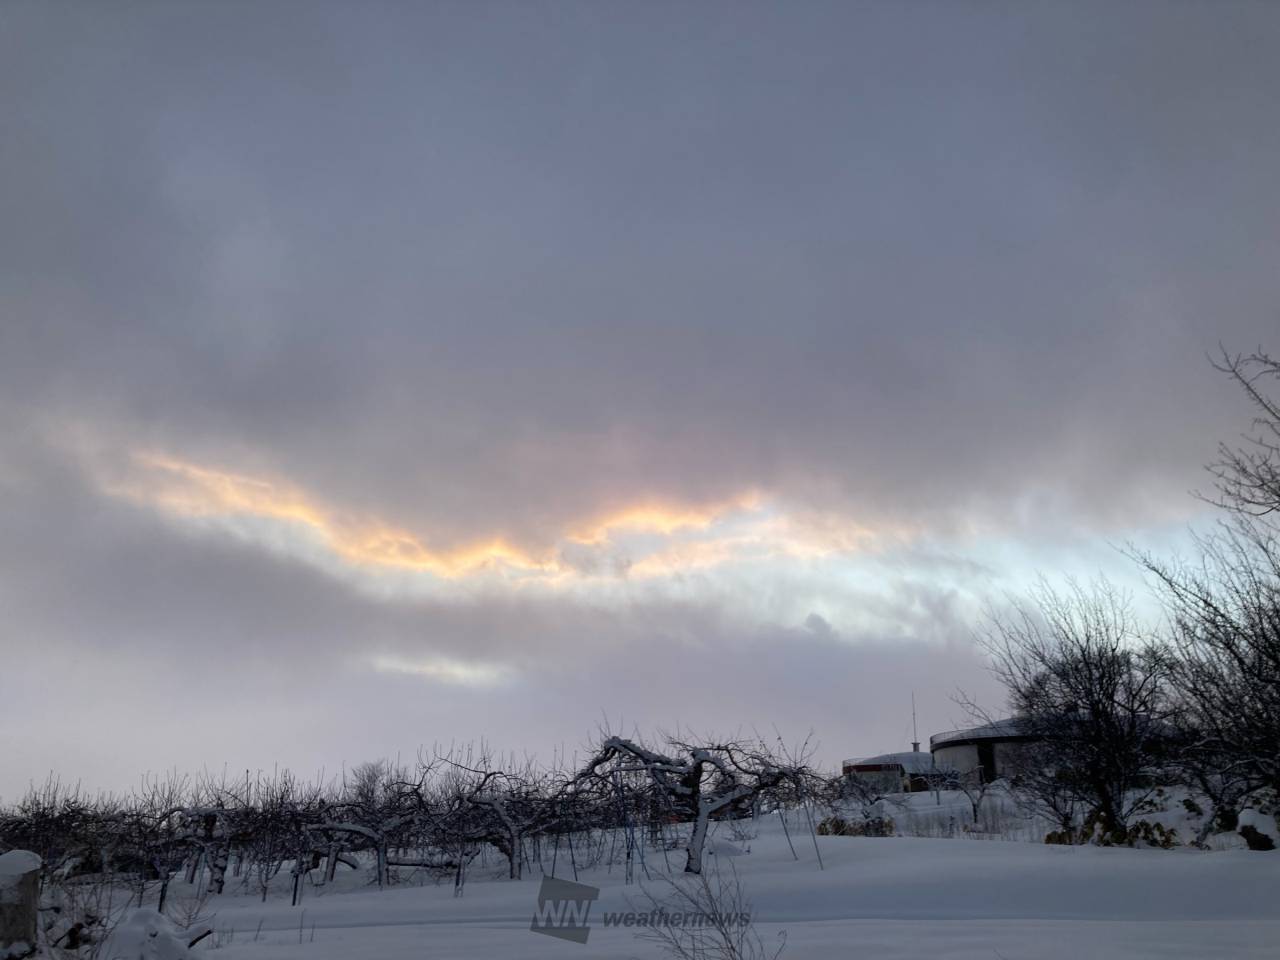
999, 729
910, 761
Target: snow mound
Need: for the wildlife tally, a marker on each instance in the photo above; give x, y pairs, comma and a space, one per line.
15, 865
146, 934
724, 849
1262, 822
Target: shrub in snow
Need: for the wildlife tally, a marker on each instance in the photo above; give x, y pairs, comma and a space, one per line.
1226, 819
1258, 829
1144, 833
1147, 834
723, 930
1255, 839
870, 827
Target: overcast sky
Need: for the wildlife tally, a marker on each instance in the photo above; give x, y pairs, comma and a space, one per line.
376, 375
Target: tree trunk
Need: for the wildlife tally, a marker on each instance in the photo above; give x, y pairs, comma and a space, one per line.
218, 869
696, 840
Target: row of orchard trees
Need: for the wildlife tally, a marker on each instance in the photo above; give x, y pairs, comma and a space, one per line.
1120, 706
435, 815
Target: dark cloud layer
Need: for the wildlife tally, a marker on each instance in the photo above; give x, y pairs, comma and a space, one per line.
493, 269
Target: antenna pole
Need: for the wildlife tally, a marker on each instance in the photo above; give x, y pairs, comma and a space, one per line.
915, 733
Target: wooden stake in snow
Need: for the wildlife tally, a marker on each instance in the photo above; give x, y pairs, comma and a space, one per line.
813, 832
787, 834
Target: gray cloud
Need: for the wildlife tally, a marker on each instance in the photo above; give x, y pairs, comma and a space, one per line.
133, 645
485, 270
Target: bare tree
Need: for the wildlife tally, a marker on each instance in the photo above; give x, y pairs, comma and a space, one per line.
374, 809
55, 821
1091, 687
502, 807
155, 827
1225, 615
1225, 611
1247, 477
707, 781
873, 796
281, 813
972, 783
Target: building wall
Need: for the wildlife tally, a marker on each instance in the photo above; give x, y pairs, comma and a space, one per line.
1006, 756
999, 757
962, 758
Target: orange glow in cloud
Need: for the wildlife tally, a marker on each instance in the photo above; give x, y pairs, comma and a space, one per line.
761, 538
191, 490
663, 520
690, 537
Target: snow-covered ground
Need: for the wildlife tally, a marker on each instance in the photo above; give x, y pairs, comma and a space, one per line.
898, 897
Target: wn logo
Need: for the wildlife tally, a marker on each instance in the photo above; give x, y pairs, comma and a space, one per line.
564, 909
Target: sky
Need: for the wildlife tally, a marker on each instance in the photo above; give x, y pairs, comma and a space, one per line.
381, 375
